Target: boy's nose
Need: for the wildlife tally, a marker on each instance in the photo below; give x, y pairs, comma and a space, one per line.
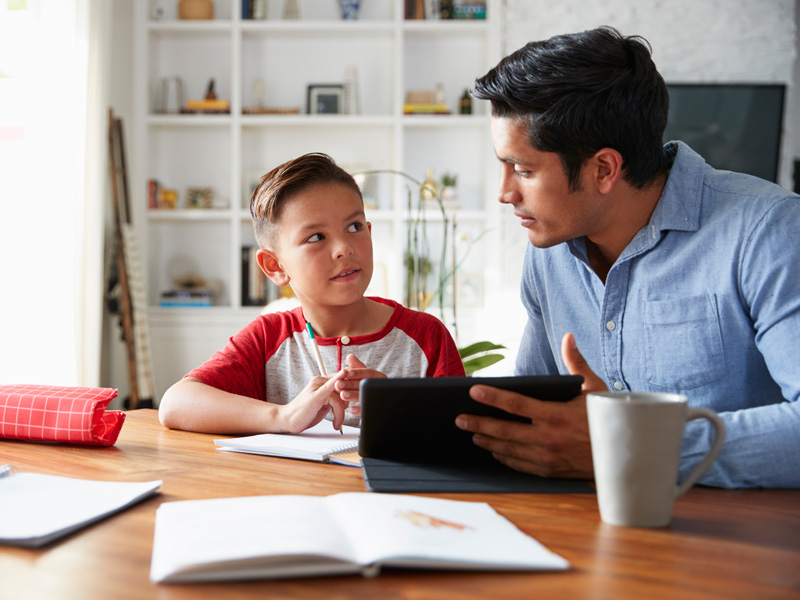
343, 248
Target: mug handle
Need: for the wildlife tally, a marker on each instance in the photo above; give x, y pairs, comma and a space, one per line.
719, 440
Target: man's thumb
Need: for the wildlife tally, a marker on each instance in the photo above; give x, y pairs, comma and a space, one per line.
577, 365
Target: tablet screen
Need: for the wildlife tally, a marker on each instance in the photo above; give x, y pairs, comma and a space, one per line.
413, 419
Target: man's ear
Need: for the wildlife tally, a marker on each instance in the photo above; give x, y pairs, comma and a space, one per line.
608, 169
271, 266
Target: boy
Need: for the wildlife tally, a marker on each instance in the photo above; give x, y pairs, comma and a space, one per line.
309, 221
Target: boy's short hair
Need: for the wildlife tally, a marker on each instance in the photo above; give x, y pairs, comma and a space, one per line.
284, 181
580, 92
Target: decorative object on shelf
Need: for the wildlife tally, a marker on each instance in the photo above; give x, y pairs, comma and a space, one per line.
449, 191
420, 265
168, 199
325, 99
290, 10
199, 197
209, 104
425, 102
351, 103
260, 92
166, 102
196, 9
349, 9
159, 197
465, 104
439, 95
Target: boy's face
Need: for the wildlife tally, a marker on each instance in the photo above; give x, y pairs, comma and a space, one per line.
535, 184
323, 246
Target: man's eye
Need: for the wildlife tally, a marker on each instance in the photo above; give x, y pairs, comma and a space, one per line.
521, 173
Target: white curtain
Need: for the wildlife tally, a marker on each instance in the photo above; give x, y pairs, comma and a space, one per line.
53, 165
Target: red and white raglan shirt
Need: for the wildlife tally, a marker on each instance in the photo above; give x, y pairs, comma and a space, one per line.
273, 357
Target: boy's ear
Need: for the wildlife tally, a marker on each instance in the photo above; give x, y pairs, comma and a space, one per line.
268, 261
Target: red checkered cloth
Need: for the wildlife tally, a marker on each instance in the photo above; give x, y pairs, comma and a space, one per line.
75, 415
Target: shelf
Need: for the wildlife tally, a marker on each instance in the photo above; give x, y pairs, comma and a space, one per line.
189, 214
229, 152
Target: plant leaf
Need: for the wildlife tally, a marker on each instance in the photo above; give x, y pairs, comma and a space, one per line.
481, 362
479, 347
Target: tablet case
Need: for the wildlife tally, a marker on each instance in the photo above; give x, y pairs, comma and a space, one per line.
409, 441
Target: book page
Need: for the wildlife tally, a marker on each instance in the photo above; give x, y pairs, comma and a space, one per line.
37, 509
432, 532
313, 444
232, 538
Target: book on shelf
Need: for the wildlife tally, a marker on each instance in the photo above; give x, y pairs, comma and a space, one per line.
197, 298
257, 289
320, 443
425, 109
39, 509
349, 533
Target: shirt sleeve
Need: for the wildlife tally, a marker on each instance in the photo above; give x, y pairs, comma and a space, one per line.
239, 367
761, 447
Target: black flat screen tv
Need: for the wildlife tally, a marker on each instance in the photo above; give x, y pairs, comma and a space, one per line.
735, 127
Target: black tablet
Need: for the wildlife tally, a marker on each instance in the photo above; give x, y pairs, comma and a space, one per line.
413, 419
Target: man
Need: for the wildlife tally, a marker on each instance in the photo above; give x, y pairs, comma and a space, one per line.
667, 274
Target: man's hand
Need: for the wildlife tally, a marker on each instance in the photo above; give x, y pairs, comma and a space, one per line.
556, 442
348, 387
313, 403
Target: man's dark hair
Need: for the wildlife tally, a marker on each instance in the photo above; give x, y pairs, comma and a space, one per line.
578, 93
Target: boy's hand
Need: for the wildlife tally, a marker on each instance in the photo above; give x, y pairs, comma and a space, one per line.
354, 372
313, 403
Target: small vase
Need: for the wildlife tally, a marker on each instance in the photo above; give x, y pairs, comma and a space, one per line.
349, 9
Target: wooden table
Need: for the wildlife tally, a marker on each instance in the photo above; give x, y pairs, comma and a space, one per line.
720, 544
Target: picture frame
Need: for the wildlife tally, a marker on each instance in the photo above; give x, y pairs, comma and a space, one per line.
325, 99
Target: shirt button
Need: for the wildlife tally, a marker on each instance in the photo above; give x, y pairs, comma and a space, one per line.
618, 385
345, 340
611, 326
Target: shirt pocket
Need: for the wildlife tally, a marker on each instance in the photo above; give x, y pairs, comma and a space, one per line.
683, 342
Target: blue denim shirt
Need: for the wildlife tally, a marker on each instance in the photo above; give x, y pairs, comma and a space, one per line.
704, 301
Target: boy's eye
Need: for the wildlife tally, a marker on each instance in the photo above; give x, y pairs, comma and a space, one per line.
521, 173
355, 227
317, 237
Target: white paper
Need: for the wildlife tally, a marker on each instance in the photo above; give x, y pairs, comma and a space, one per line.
36, 509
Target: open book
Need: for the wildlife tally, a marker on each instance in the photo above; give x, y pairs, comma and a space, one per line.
293, 536
38, 509
320, 443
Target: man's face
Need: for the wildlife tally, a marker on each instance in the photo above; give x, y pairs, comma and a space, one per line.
324, 245
535, 184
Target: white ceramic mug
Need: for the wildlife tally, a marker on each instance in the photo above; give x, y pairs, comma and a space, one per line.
636, 445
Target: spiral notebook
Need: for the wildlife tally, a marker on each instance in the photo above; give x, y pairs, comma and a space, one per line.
320, 443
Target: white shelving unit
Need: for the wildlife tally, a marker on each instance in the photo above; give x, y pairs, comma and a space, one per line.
227, 152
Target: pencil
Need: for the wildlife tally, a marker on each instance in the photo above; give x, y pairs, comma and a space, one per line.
319, 356
316, 349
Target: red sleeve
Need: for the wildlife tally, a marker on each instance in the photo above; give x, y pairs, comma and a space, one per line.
240, 367
435, 341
